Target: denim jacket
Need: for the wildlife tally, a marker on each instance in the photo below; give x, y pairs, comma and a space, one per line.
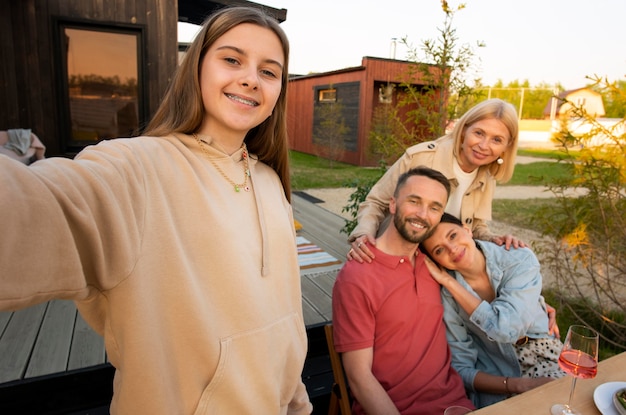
483, 341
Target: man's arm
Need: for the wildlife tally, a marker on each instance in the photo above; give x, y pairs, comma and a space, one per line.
365, 387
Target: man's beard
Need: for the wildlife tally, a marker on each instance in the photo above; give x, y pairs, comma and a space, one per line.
406, 231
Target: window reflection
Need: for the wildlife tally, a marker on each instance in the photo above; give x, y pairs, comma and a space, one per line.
102, 74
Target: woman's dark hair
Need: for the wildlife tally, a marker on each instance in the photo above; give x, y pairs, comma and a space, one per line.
445, 218
448, 218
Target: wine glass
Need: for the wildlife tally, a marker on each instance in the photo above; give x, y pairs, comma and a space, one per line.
579, 358
456, 410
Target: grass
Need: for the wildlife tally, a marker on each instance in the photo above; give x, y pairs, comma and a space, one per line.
312, 172
545, 153
540, 173
519, 212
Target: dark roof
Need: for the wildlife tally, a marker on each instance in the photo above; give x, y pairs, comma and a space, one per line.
561, 96
195, 11
565, 94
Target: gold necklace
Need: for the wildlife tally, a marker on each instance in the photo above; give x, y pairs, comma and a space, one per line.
246, 170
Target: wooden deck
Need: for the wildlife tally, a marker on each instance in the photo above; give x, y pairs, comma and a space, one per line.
322, 228
50, 346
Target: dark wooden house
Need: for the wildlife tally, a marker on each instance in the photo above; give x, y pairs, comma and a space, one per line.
357, 92
79, 71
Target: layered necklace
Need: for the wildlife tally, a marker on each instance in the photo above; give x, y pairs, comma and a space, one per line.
246, 170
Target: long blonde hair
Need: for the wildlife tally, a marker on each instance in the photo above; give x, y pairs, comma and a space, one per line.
182, 110
500, 110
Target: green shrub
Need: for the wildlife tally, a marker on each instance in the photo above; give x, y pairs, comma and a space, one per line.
586, 248
362, 188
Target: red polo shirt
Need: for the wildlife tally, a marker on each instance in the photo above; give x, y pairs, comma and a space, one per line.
396, 309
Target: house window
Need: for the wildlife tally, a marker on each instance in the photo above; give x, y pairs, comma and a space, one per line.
101, 74
385, 93
327, 95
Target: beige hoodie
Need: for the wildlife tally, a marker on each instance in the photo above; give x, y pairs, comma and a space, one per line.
195, 287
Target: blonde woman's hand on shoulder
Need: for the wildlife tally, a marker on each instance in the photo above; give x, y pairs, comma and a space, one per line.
508, 241
360, 250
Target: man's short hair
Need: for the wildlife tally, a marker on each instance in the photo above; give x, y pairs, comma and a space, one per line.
426, 172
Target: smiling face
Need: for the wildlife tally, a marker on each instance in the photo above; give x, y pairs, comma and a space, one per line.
483, 142
240, 81
452, 247
418, 206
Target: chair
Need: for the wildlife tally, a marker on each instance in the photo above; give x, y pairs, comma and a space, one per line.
339, 397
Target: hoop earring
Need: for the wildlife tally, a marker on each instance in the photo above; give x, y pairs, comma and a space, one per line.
500, 161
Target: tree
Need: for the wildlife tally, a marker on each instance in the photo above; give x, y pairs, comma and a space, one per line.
329, 135
437, 87
536, 99
444, 64
586, 249
389, 134
423, 111
614, 97
529, 101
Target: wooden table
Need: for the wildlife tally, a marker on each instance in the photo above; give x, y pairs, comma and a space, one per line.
539, 400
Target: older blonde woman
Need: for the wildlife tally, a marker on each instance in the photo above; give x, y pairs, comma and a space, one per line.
479, 152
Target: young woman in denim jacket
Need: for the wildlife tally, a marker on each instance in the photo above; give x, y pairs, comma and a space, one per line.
496, 319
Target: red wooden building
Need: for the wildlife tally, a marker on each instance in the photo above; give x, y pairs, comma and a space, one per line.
359, 90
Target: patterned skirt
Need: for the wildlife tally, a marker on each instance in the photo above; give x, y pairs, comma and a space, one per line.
540, 357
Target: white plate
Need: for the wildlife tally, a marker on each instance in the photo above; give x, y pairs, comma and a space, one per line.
603, 397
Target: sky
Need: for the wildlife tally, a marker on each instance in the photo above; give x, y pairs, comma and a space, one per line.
542, 41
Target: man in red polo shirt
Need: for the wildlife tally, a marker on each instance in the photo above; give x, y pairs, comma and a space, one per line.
387, 315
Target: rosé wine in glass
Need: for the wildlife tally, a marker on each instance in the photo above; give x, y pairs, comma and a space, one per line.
578, 364
579, 358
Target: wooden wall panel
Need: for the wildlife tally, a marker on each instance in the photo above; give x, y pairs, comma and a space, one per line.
28, 70
8, 75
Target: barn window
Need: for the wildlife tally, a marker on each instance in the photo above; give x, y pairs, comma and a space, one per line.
328, 95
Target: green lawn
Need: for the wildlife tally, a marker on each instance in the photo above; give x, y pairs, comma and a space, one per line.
545, 153
312, 172
540, 173
519, 212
